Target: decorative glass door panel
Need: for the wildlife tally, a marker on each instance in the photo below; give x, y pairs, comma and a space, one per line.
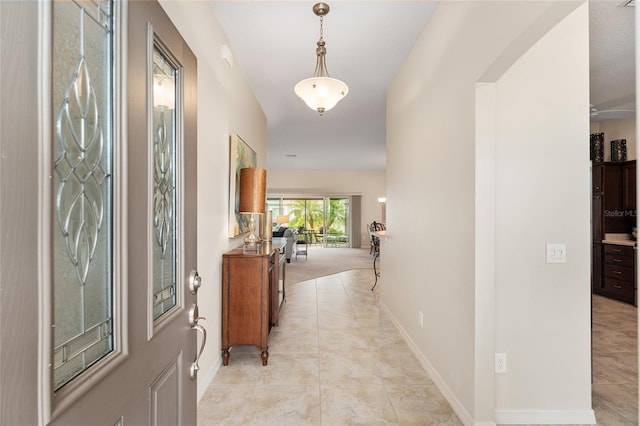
164, 183
82, 235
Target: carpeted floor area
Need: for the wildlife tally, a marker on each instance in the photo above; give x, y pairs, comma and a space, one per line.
323, 261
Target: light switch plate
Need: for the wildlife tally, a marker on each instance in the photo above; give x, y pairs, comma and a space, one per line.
556, 253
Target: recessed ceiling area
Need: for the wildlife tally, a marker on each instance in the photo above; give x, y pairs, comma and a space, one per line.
274, 44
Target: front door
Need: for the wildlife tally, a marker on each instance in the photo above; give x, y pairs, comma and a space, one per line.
101, 196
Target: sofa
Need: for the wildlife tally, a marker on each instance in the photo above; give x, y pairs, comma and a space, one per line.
290, 235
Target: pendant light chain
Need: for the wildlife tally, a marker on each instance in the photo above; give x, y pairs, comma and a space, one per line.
321, 30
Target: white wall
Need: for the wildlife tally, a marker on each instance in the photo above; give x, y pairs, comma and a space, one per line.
435, 176
225, 105
617, 129
543, 196
370, 184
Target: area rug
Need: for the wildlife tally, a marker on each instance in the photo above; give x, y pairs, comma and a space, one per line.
322, 261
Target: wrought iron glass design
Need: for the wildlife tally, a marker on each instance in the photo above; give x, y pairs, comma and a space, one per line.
82, 184
164, 184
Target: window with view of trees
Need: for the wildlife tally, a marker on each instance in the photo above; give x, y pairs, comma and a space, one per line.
326, 218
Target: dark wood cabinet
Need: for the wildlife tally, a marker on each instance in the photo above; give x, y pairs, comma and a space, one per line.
597, 227
596, 267
613, 203
252, 290
629, 191
597, 233
619, 272
596, 178
612, 190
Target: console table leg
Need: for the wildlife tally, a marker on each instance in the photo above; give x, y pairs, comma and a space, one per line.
265, 357
225, 357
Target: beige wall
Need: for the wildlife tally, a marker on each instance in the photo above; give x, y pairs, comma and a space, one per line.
543, 196
225, 105
617, 129
484, 170
370, 184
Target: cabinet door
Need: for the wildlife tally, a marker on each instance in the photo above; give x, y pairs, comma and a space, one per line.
596, 178
596, 268
596, 218
613, 209
244, 308
629, 184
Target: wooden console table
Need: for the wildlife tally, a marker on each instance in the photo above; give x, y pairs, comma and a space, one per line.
252, 290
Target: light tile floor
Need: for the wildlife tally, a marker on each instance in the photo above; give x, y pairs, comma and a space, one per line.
336, 359
615, 362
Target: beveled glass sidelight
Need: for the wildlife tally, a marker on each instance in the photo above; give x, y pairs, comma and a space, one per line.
82, 236
165, 224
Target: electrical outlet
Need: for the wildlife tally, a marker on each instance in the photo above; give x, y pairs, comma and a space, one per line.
421, 319
500, 363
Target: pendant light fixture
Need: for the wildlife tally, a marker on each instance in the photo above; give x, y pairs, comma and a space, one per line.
321, 92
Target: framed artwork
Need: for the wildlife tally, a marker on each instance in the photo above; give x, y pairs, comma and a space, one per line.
241, 156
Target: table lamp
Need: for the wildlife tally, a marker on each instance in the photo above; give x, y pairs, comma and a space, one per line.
282, 219
253, 189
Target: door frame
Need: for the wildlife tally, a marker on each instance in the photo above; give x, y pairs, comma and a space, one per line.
19, 148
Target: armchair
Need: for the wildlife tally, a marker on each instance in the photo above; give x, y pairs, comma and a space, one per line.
290, 248
290, 235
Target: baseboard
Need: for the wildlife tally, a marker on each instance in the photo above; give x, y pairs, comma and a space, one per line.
451, 398
203, 384
548, 417
502, 417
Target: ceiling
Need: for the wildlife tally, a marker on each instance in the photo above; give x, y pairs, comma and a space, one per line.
612, 59
274, 43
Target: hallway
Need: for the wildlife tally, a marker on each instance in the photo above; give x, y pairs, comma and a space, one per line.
335, 359
372, 377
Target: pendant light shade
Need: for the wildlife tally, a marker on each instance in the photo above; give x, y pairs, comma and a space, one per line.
321, 92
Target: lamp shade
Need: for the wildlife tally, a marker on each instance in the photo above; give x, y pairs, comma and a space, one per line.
283, 218
321, 93
253, 189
